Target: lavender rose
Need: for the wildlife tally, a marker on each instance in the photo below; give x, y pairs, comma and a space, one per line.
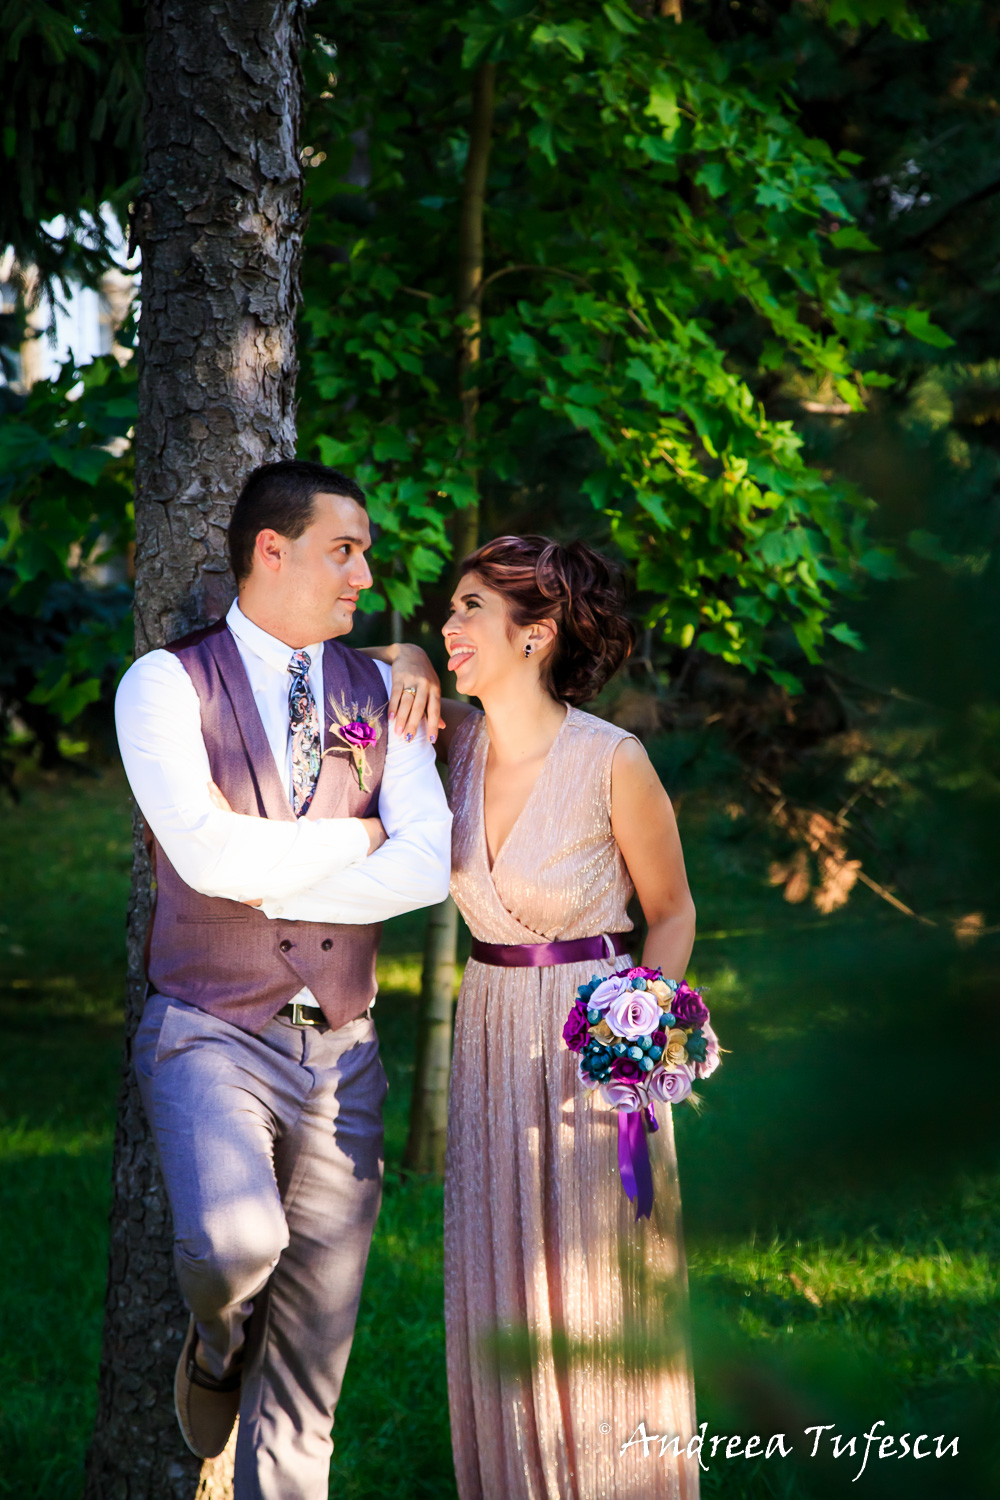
608, 990
625, 1067
359, 734
576, 1030
688, 1008
670, 1085
624, 1095
633, 1014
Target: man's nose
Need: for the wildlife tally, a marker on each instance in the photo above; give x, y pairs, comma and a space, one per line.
361, 574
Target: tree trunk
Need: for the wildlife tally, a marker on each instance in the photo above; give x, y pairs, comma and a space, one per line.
429, 1105
219, 223
470, 281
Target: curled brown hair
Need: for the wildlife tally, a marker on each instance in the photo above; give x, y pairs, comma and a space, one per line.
577, 588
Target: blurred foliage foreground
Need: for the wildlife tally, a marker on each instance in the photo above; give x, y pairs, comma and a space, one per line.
841, 1190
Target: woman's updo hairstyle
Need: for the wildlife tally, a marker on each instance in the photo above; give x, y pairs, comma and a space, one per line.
577, 588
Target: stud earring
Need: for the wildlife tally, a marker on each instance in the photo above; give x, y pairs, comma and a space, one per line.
528, 649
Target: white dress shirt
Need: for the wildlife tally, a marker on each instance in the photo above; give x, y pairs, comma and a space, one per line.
309, 870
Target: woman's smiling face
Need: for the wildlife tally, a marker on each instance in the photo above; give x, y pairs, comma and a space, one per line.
477, 635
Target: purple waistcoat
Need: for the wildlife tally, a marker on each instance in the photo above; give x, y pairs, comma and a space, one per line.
227, 958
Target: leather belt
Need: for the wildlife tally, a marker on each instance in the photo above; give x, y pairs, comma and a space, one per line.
544, 955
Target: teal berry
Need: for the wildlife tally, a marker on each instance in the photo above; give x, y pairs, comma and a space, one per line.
667, 1020
638, 983
697, 1046
646, 1064
593, 1016
655, 1053
635, 1052
619, 1049
645, 1042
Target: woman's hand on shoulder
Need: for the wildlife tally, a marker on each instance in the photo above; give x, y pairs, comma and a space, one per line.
416, 688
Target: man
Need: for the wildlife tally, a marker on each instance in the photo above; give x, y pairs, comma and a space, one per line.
287, 821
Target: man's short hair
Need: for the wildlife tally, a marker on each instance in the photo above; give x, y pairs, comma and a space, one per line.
279, 497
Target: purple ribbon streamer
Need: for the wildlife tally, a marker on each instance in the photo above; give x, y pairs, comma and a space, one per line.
633, 1162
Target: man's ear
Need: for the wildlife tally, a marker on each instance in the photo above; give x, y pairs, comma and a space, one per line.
268, 547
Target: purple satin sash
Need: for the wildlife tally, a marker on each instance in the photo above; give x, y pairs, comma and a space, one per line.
633, 1159
544, 955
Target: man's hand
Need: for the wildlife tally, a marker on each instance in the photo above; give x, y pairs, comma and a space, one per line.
376, 833
416, 691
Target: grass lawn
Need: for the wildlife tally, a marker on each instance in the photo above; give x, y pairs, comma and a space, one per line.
841, 1193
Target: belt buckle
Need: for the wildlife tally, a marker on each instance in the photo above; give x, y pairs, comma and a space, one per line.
300, 1016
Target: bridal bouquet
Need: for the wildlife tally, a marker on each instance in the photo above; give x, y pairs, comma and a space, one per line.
641, 1039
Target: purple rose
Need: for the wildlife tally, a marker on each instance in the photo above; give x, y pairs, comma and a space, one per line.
635, 1013
643, 974
359, 734
659, 1037
671, 1085
576, 1030
624, 1095
712, 1059
608, 990
625, 1067
687, 1007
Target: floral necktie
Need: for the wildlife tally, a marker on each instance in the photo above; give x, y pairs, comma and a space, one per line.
306, 746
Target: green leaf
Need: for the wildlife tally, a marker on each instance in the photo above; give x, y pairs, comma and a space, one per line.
847, 637
851, 238
918, 324
663, 105
620, 20
881, 563
86, 464
572, 36
830, 199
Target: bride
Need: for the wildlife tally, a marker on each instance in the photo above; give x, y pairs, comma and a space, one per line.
564, 1314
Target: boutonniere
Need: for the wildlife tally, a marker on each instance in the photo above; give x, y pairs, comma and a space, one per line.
359, 729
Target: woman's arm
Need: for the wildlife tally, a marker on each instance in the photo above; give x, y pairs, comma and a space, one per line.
416, 687
411, 668
644, 825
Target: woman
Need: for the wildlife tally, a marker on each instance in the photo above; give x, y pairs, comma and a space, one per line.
564, 1313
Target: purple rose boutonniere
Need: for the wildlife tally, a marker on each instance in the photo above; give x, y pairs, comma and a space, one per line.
359, 730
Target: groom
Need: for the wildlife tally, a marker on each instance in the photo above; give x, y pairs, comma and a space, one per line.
280, 844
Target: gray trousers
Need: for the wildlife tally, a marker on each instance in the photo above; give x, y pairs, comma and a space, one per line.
271, 1149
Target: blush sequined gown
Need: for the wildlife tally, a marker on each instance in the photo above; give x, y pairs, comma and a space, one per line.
565, 1317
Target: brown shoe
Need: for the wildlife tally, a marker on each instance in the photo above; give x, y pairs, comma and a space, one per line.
206, 1408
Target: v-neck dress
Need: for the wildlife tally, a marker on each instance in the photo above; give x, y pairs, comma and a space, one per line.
565, 1317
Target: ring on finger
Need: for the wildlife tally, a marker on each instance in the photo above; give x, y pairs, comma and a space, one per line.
410, 690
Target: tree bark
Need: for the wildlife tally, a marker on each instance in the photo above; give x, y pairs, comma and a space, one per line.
429, 1102
470, 281
219, 223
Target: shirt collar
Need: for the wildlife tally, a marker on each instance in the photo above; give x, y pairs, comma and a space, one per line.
272, 652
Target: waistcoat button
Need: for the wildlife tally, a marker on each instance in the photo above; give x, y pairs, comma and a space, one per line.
326, 944
284, 945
